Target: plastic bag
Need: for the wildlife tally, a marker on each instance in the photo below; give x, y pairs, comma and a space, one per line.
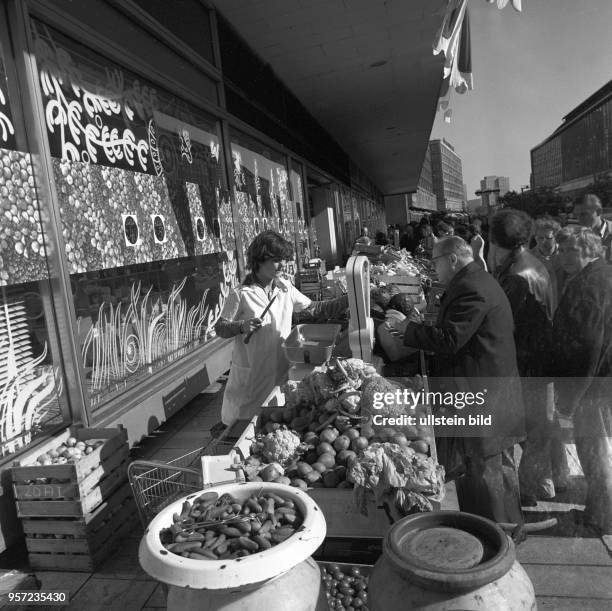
393, 345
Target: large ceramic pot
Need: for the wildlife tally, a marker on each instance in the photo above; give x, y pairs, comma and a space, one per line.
283, 578
449, 560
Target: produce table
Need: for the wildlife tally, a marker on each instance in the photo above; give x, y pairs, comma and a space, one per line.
337, 504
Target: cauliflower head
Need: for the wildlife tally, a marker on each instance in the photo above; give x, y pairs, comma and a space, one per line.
280, 446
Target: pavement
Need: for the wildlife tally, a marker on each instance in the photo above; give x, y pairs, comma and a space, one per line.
570, 568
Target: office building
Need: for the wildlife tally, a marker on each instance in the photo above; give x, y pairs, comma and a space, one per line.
579, 151
447, 175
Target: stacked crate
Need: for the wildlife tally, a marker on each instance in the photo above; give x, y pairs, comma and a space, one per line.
310, 283
74, 515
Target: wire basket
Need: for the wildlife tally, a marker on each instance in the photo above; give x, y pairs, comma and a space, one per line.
156, 484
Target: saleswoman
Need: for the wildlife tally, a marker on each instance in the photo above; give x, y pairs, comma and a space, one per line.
261, 364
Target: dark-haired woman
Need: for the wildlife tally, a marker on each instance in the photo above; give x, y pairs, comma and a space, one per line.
527, 285
261, 364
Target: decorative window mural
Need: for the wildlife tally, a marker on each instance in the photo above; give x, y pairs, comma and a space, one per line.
29, 383
146, 215
31, 398
132, 327
122, 147
261, 190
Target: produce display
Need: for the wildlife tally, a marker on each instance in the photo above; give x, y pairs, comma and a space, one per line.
71, 451
345, 587
326, 428
217, 527
402, 263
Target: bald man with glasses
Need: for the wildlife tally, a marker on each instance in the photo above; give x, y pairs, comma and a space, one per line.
473, 344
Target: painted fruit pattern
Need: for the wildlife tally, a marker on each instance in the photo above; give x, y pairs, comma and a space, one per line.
92, 200
205, 240
22, 248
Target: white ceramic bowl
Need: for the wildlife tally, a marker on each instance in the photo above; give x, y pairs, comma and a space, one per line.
221, 574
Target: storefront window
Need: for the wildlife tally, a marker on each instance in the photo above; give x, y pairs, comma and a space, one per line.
301, 212
356, 217
261, 190
349, 227
31, 376
146, 217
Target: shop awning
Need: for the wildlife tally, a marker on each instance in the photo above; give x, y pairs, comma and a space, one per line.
363, 68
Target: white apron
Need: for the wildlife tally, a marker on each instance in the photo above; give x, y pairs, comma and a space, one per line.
261, 364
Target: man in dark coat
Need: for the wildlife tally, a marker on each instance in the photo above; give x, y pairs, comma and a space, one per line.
474, 349
589, 213
527, 284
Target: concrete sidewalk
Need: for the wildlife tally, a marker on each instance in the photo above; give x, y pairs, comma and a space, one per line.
570, 570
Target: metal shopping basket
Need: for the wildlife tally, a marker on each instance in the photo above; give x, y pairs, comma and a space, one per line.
156, 484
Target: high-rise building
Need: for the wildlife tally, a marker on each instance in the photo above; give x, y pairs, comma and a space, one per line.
491, 189
579, 151
404, 207
447, 175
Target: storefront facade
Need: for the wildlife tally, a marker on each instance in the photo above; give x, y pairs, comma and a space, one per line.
135, 172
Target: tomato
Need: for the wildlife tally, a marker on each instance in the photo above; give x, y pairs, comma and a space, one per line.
420, 446
325, 448
361, 443
342, 443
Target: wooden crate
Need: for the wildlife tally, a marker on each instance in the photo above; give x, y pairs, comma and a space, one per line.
85, 542
72, 489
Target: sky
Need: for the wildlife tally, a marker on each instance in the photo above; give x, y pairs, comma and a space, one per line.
530, 69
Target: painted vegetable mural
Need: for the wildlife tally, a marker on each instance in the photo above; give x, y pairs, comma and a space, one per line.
29, 389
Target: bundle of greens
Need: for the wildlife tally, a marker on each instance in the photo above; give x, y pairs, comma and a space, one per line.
390, 471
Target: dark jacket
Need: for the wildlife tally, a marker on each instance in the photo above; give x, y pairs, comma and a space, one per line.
552, 263
582, 349
526, 282
474, 346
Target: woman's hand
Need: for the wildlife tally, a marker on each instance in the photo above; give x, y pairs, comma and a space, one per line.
251, 325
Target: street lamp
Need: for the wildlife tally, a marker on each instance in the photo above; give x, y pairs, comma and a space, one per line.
487, 192
524, 188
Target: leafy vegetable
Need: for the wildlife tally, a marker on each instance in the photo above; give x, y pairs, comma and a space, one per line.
298, 394
388, 469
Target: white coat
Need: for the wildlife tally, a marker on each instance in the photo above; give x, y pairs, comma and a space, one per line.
261, 364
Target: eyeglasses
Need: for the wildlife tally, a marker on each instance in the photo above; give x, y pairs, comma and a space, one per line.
439, 256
